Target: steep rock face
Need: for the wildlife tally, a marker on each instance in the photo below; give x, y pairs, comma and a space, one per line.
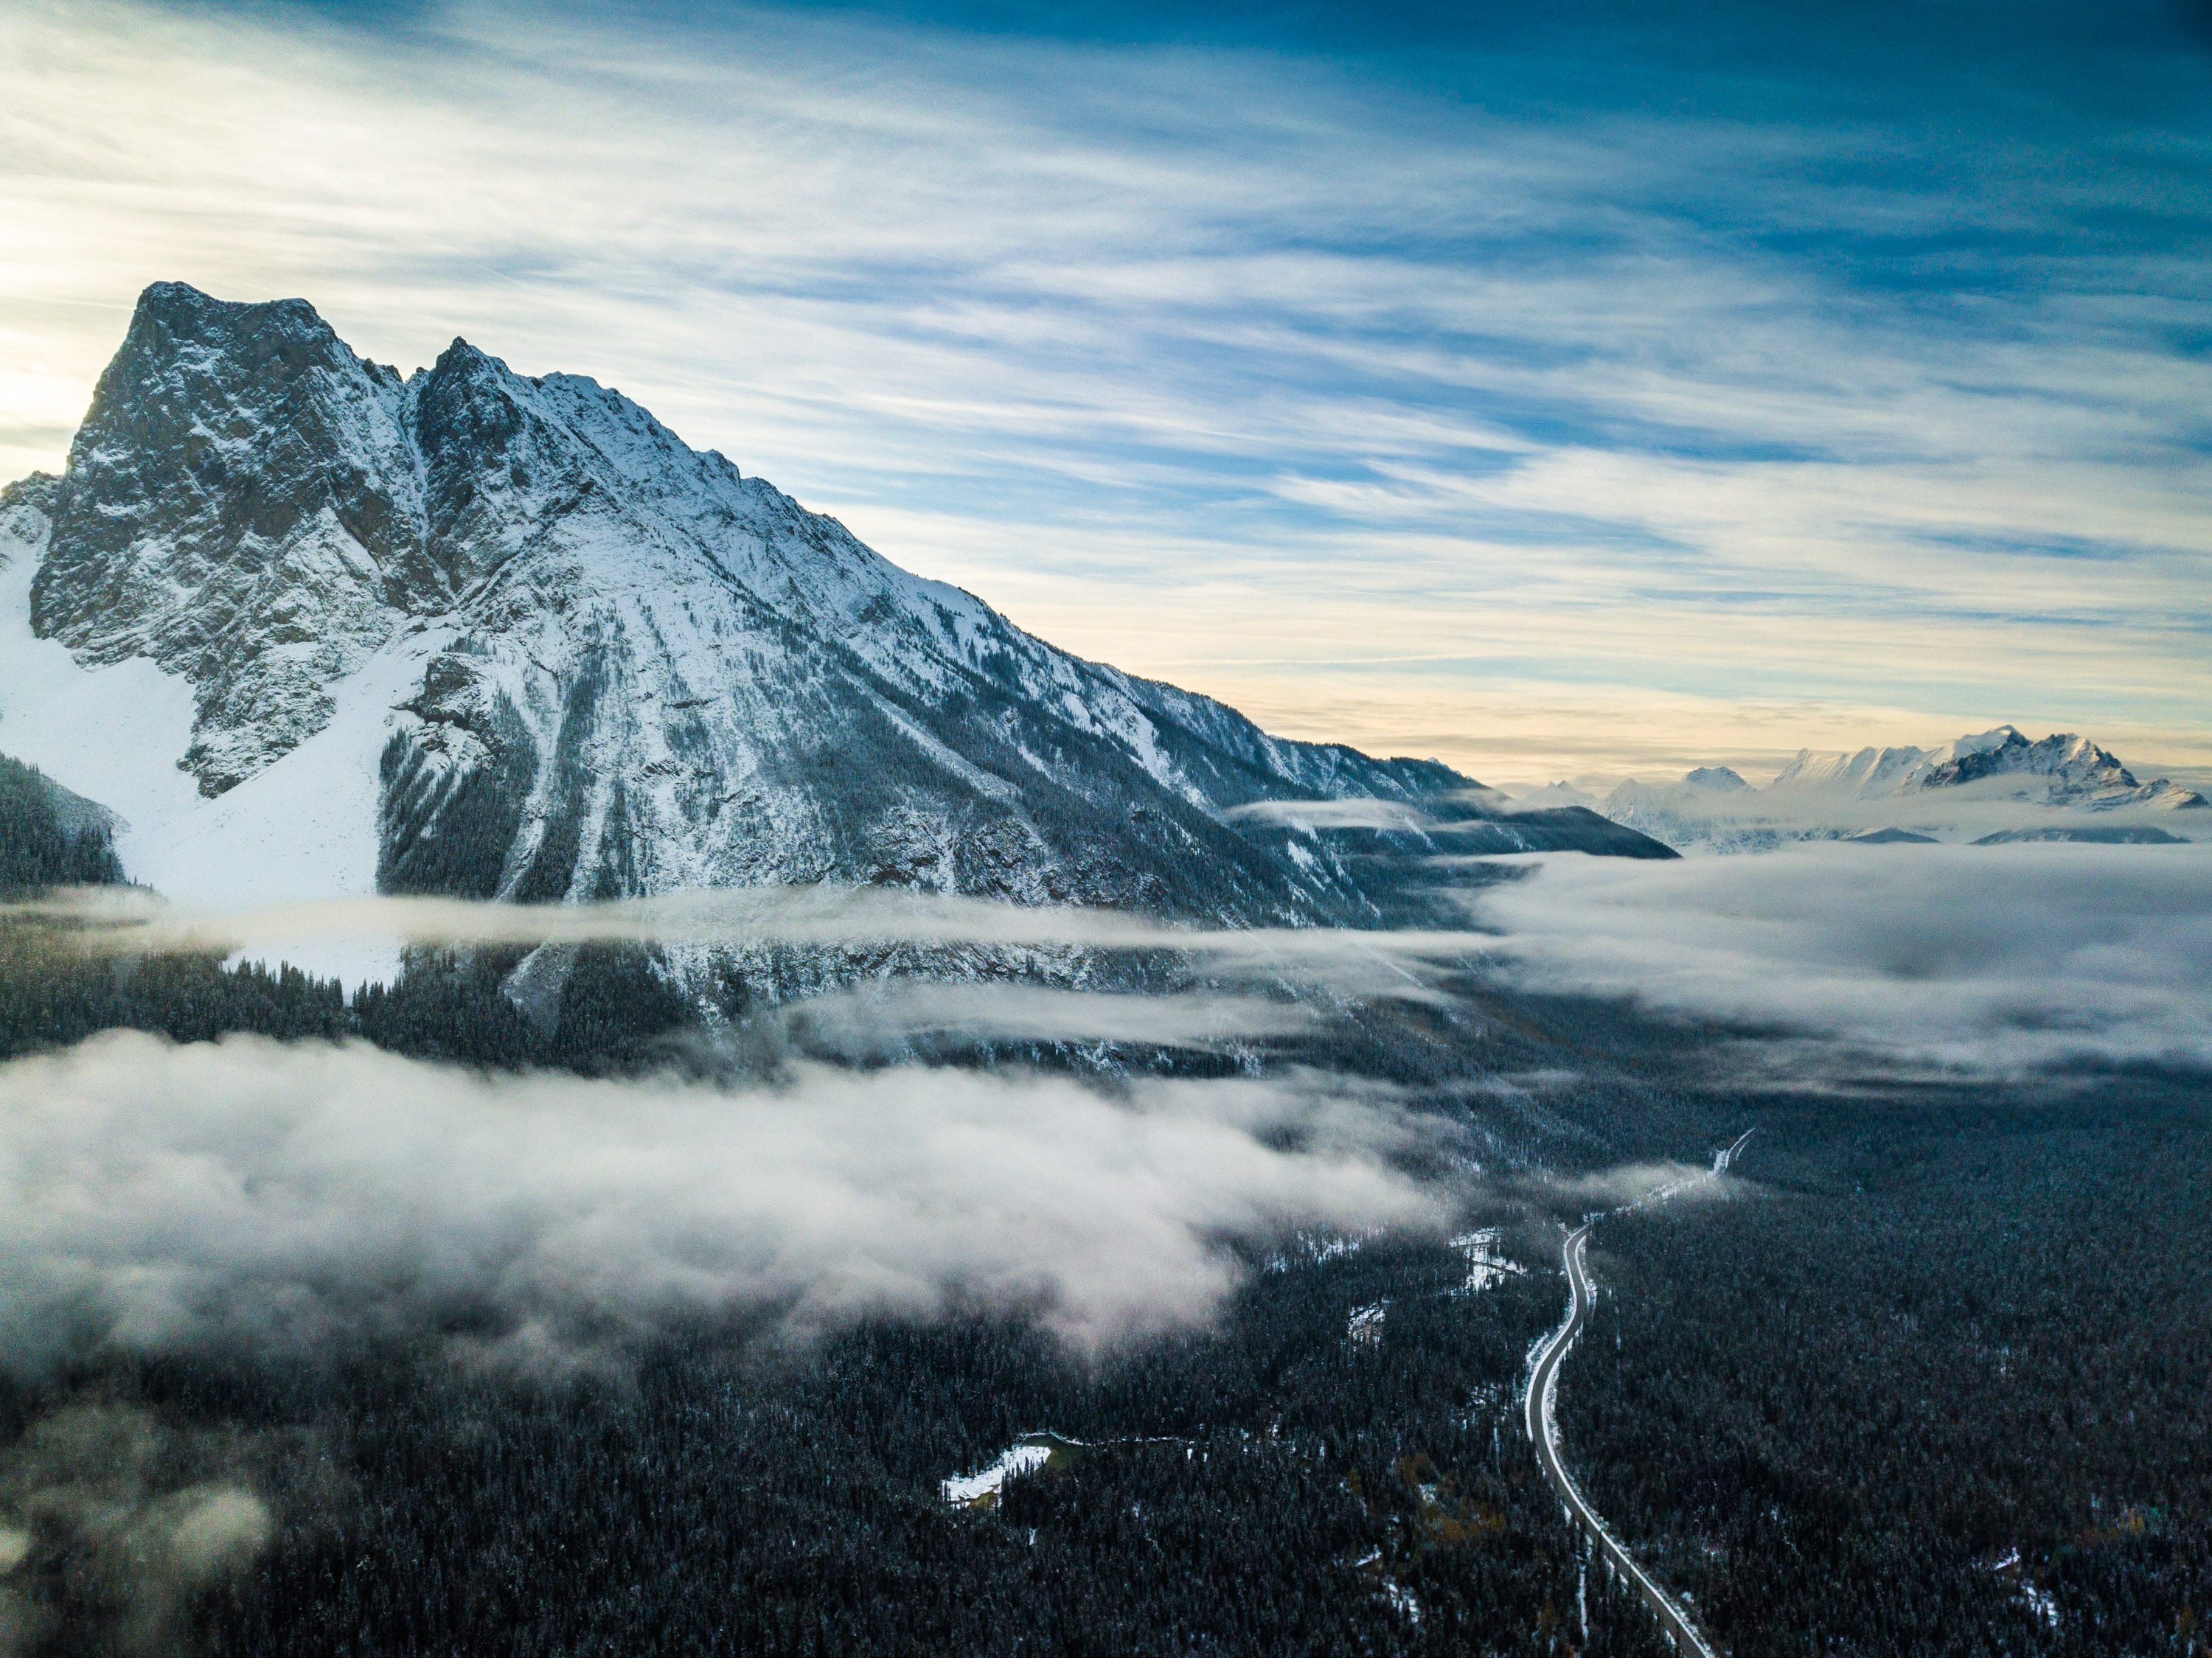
623, 667
242, 506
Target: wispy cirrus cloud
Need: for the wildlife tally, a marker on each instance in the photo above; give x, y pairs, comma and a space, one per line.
1370, 374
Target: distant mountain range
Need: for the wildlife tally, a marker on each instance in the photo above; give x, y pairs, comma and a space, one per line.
1888, 796
310, 626
2061, 770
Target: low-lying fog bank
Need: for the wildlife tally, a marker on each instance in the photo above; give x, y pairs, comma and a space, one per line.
154, 1196
1988, 959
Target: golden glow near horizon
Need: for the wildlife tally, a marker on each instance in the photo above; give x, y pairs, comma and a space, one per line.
1155, 349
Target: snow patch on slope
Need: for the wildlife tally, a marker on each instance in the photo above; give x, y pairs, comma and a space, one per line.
304, 827
113, 734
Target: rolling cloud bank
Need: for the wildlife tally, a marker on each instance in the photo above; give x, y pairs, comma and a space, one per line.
159, 1197
1975, 959
872, 1019
248, 1194
1970, 958
1346, 961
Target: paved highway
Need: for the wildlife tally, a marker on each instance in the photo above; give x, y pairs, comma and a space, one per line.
1543, 1387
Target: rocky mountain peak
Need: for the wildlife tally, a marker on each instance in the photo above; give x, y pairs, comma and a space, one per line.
258, 509
238, 505
564, 654
172, 319
2076, 767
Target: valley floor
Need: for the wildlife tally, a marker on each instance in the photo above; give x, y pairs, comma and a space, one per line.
1922, 1373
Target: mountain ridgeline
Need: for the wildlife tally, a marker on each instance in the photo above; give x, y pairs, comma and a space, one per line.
1993, 788
604, 664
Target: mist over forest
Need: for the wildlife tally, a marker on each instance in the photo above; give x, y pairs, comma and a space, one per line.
344, 1313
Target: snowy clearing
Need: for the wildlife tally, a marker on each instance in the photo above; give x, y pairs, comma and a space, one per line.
981, 1489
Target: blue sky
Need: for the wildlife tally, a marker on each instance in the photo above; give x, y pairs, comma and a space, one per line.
1566, 390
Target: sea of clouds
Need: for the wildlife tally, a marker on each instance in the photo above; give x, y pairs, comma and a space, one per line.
1977, 960
157, 1197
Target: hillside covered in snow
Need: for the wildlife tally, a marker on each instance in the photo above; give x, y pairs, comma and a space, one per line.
311, 628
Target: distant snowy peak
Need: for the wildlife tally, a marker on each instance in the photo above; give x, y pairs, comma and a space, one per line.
562, 654
1713, 779
1555, 797
2061, 769
1859, 795
1870, 773
1699, 810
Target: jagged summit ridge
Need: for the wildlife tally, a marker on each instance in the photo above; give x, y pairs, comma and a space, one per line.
582, 659
243, 506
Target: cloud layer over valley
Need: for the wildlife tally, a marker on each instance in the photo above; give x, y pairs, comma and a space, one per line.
1398, 965
1980, 959
156, 1197
1973, 957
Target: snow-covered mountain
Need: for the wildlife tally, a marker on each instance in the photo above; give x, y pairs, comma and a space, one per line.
311, 627
2063, 769
1702, 809
1996, 785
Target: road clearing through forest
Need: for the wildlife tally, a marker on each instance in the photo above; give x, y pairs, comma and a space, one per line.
1543, 1431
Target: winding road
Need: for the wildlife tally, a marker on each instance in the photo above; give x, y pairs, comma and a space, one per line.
1543, 1433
